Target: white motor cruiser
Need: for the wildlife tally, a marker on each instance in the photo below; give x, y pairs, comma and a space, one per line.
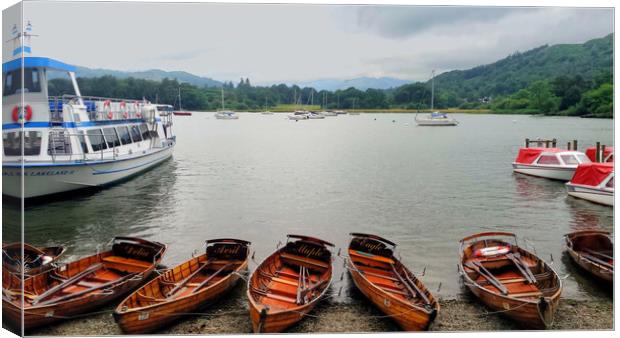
553, 163
593, 182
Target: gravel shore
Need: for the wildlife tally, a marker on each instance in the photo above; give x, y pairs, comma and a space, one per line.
230, 316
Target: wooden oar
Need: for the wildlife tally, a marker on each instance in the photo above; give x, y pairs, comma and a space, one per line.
597, 253
409, 284
67, 283
188, 278
482, 271
94, 288
204, 282
522, 267
599, 261
300, 283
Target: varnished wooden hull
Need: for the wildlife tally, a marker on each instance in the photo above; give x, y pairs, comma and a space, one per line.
407, 316
598, 270
156, 316
534, 315
44, 315
277, 310
61, 308
279, 321
534, 312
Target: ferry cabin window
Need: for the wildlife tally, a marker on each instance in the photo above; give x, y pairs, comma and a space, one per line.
548, 159
12, 81
145, 132
111, 137
82, 140
569, 160
135, 134
124, 134
96, 139
610, 183
12, 143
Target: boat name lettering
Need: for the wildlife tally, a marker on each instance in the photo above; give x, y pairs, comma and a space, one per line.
228, 249
309, 251
48, 172
137, 251
372, 247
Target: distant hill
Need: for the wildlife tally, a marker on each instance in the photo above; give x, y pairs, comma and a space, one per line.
518, 70
152, 74
361, 83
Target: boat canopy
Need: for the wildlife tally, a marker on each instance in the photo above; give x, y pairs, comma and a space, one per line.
591, 153
438, 115
529, 155
33, 62
592, 174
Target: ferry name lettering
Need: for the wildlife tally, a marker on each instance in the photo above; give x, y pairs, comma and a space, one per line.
52, 172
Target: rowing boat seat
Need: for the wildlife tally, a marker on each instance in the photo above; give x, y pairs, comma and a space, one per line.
126, 264
308, 262
371, 256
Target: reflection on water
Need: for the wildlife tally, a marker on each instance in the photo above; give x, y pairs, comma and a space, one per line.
263, 176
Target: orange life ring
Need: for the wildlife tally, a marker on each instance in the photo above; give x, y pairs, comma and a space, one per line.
492, 251
16, 114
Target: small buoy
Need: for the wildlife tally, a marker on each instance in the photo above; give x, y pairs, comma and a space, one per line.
393, 121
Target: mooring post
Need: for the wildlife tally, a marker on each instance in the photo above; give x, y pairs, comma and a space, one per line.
546, 143
568, 146
575, 145
554, 142
597, 157
527, 142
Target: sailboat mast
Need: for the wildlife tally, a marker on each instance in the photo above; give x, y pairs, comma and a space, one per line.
222, 97
433, 90
180, 99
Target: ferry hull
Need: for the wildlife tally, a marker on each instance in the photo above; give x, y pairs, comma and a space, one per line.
42, 180
591, 194
554, 173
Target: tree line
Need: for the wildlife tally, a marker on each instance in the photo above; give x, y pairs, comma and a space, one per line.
566, 95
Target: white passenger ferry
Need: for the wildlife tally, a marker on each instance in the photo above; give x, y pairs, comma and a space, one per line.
72, 142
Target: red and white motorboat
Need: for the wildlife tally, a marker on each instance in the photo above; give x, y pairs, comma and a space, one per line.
608, 154
593, 182
553, 163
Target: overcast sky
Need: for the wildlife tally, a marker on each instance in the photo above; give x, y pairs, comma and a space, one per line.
289, 43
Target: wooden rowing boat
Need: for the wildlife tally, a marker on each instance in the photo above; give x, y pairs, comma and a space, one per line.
35, 259
593, 250
186, 288
80, 286
388, 284
289, 283
509, 279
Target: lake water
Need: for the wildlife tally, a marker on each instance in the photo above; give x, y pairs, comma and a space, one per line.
263, 176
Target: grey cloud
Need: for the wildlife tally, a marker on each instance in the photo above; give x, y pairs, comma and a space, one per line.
400, 21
